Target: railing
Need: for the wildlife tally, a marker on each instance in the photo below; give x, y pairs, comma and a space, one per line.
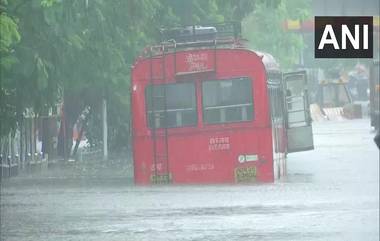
201, 33
33, 164
159, 116
228, 33
222, 115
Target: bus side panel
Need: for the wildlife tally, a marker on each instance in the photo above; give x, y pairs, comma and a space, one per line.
265, 173
143, 164
279, 150
142, 148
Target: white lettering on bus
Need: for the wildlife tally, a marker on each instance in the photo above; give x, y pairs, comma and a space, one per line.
219, 143
197, 62
200, 167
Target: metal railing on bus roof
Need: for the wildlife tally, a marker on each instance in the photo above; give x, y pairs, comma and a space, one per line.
197, 36
212, 36
201, 33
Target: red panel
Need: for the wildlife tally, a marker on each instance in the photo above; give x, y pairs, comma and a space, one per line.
204, 153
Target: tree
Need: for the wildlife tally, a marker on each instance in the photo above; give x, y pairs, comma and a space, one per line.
263, 28
9, 37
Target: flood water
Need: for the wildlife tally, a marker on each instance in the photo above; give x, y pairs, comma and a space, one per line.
331, 193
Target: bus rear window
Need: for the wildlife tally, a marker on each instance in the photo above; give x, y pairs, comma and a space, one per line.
227, 100
180, 104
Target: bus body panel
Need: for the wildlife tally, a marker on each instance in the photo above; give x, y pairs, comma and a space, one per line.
207, 157
206, 153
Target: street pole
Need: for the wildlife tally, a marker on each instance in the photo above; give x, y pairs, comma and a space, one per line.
105, 130
301, 60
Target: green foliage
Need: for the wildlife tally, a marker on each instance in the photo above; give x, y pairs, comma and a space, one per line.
263, 28
9, 33
48, 3
9, 37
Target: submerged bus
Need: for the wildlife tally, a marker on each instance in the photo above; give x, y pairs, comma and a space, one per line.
206, 109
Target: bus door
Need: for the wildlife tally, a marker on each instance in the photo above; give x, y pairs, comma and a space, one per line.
299, 130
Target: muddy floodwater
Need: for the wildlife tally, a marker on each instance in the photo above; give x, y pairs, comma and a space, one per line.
331, 193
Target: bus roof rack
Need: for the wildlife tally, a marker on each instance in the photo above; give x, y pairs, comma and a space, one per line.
199, 33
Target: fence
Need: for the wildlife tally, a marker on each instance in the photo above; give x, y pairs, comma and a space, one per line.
30, 146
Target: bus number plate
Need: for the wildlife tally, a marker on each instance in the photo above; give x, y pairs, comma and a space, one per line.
245, 174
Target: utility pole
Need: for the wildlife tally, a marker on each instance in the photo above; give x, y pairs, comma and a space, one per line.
301, 60
105, 130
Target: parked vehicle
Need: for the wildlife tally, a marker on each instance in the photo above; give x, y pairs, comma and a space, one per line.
210, 110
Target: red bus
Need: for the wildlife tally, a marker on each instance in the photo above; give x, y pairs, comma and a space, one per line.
206, 109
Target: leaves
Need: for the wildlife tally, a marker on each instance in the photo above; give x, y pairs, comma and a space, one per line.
9, 34
48, 3
263, 28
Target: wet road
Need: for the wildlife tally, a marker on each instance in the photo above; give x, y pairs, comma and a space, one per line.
331, 193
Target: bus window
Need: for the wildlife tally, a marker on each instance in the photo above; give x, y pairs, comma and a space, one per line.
180, 104
227, 100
